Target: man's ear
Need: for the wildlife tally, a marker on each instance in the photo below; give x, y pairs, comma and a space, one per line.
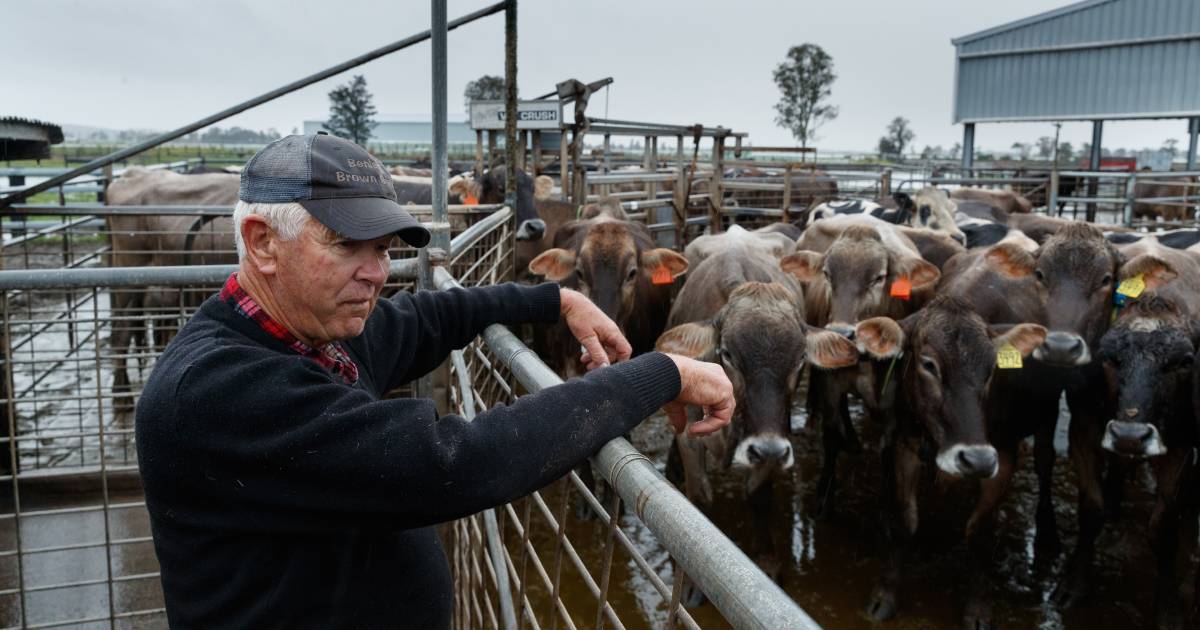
555, 264
261, 243
1024, 337
879, 337
827, 349
805, 265
694, 340
662, 257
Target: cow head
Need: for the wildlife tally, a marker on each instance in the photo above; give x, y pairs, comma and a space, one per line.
759, 337
933, 209
1147, 358
855, 277
489, 188
950, 357
607, 261
1076, 270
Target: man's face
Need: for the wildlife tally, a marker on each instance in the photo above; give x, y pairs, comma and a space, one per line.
330, 284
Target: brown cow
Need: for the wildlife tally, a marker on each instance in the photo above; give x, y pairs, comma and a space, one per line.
856, 276
942, 424
151, 240
613, 262
1004, 200
741, 310
1164, 187
1148, 358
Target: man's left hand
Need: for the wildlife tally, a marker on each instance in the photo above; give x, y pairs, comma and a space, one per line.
602, 341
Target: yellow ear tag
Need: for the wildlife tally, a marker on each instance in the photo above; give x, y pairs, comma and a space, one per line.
1132, 287
1008, 357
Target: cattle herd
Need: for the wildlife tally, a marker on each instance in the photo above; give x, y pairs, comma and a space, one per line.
959, 320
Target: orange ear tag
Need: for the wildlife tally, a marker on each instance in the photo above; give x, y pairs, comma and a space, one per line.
470, 201
902, 288
662, 275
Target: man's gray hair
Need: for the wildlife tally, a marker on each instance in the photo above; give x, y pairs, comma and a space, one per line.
287, 219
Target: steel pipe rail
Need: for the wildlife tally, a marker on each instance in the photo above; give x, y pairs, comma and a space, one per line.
243, 106
736, 586
631, 177
101, 210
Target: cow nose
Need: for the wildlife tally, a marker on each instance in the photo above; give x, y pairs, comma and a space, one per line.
844, 330
1064, 349
1130, 433
769, 451
977, 461
961, 238
531, 230
1132, 412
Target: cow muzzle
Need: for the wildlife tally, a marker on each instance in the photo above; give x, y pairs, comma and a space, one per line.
976, 461
764, 451
1133, 439
1063, 349
531, 230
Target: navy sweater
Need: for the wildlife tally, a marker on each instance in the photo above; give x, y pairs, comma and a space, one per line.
281, 498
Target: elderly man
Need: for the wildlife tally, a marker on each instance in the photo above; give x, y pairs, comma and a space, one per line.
283, 490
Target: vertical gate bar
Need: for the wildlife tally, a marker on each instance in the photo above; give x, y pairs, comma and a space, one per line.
14, 459
441, 235
560, 535
715, 194
525, 525
510, 104
535, 152
676, 594
564, 173
491, 149
787, 193
614, 521
606, 166
112, 609
681, 191
1052, 199
478, 152
1130, 196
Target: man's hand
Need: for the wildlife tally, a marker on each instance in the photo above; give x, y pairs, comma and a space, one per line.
705, 385
602, 341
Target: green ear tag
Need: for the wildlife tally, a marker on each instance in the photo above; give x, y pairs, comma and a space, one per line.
1008, 357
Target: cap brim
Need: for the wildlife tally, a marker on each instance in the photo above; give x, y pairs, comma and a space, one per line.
366, 218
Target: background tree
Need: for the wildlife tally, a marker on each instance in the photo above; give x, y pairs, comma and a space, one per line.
1066, 152
486, 88
804, 79
1023, 150
1170, 146
351, 114
898, 136
1045, 147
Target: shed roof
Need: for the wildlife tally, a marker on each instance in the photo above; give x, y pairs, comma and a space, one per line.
1097, 59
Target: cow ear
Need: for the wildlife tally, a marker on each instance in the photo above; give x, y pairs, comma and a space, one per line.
879, 337
1154, 270
543, 187
1010, 260
922, 273
663, 258
460, 186
555, 264
694, 340
1024, 337
829, 350
805, 265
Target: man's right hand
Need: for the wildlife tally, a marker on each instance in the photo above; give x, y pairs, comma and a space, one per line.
705, 385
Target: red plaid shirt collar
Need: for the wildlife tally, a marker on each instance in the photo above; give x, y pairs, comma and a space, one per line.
332, 356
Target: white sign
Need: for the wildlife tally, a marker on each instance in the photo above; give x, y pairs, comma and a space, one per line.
530, 114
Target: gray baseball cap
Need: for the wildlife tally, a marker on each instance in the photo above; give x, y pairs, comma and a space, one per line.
341, 185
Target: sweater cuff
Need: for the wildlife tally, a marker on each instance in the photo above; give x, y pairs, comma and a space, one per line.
545, 303
653, 378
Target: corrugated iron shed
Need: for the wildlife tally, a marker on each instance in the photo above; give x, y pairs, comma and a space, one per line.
23, 139
1093, 60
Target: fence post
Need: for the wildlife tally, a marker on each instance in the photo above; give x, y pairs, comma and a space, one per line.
1052, 194
885, 183
715, 195
478, 152
1130, 196
787, 193
681, 193
606, 189
564, 173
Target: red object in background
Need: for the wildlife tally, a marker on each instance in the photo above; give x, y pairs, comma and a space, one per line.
1121, 164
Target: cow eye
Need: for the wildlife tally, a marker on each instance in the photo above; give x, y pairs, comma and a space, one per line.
631, 275
930, 366
1041, 277
1107, 280
880, 278
579, 274
726, 356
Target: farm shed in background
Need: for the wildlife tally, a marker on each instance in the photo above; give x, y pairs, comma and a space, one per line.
1095, 60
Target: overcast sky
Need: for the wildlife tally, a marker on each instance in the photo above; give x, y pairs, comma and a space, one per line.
159, 64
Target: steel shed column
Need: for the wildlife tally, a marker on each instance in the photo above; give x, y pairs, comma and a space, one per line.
1193, 138
441, 225
968, 148
1094, 165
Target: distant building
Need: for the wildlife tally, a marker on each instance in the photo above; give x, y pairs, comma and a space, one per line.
418, 129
